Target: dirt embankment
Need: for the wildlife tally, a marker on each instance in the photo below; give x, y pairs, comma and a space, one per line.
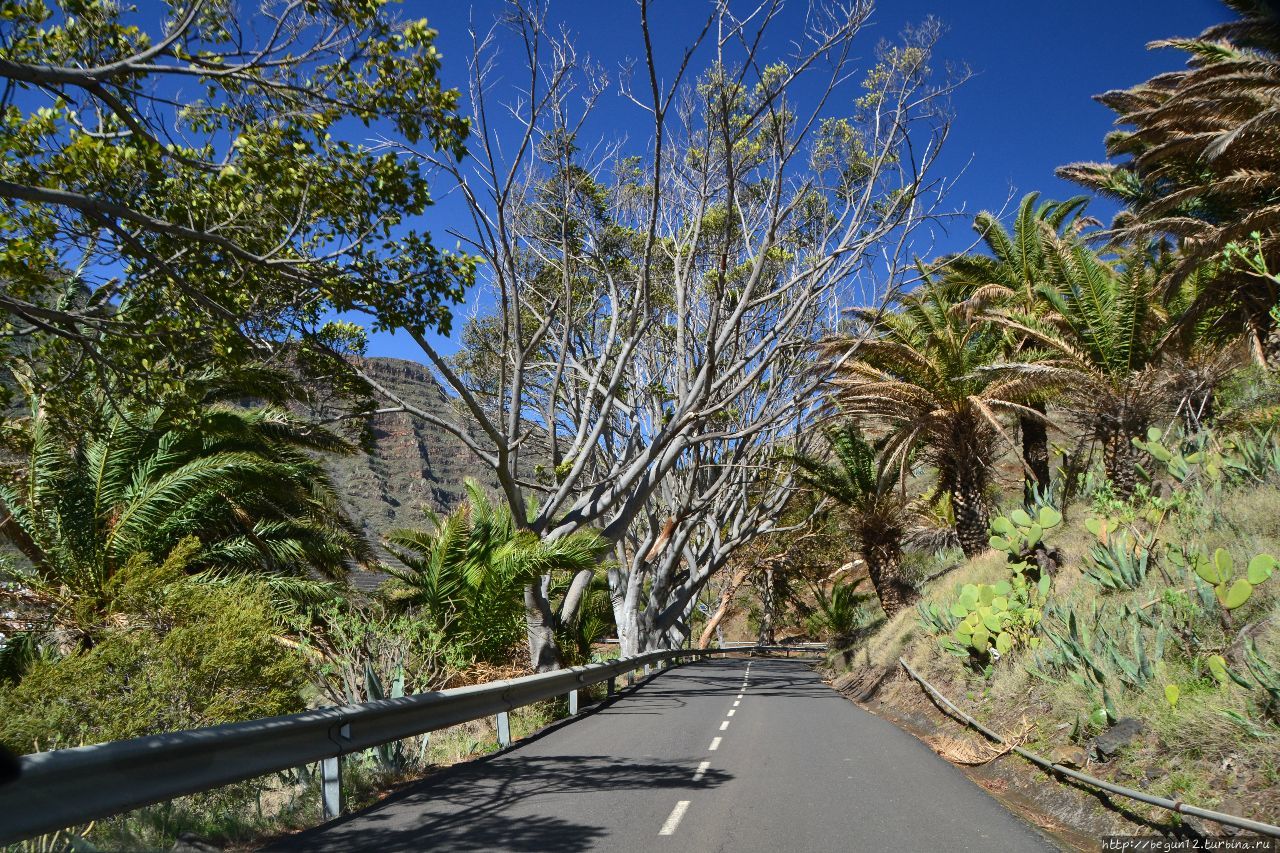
1076, 816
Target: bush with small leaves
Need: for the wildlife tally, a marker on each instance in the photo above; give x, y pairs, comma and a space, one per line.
200, 654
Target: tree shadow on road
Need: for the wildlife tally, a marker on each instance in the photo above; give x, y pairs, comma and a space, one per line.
497, 804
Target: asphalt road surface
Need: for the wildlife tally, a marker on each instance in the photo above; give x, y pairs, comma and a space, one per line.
731, 755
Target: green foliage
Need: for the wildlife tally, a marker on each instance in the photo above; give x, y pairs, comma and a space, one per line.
841, 611
1219, 571
1255, 455
247, 482
992, 620
924, 373
467, 576
593, 622
1018, 532
1263, 676
872, 500
1093, 653
361, 651
1177, 464
144, 232
178, 655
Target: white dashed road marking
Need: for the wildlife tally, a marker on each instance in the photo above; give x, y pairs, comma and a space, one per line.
724, 725
673, 820
701, 771
715, 744
732, 712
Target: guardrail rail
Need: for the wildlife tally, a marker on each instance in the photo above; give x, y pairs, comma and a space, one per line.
69, 787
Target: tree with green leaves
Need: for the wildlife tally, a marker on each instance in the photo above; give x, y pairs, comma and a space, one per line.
469, 575
1197, 161
197, 192
874, 504
1104, 334
247, 483
922, 374
1008, 276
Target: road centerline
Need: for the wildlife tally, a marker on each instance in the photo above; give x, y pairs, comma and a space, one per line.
715, 744
673, 820
701, 771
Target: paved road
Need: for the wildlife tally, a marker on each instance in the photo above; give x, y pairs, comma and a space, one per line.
709, 756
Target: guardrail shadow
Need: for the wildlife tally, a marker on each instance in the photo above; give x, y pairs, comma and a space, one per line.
496, 804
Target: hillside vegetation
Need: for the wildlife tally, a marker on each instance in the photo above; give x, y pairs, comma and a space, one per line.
1162, 609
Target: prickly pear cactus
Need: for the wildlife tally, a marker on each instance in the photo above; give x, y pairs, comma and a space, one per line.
1018, 532
1219, 571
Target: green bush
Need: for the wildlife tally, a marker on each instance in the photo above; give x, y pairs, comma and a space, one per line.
186, 654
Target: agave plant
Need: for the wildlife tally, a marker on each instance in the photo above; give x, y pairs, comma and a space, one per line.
469, 571
246, 482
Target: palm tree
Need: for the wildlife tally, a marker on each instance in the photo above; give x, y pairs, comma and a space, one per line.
1200, 163
246, 482
1105, 337
874, 503
920, 372
469, 572
1008, 277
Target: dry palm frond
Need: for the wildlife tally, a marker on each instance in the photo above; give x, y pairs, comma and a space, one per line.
972, 750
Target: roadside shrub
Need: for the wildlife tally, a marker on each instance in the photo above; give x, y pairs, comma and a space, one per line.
183, 655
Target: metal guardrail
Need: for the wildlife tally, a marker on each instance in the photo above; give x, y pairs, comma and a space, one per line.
68, 787
747, 644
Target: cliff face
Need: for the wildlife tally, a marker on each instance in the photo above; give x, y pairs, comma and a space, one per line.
413, 464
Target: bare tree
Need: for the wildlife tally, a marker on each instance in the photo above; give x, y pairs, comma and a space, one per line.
654, 301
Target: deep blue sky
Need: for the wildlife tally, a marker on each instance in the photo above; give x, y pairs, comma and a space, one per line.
1027, 110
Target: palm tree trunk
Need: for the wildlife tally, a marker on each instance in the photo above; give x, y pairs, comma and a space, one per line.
969, 505
1120, 461
884, 567
1035, 454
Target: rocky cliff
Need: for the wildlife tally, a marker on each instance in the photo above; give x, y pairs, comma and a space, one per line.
413, 465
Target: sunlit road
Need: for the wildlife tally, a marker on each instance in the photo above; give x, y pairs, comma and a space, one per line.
727, 754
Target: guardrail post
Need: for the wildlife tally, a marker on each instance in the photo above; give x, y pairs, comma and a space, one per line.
573, 703
646, 670
331, 787
504, 729
613, 685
